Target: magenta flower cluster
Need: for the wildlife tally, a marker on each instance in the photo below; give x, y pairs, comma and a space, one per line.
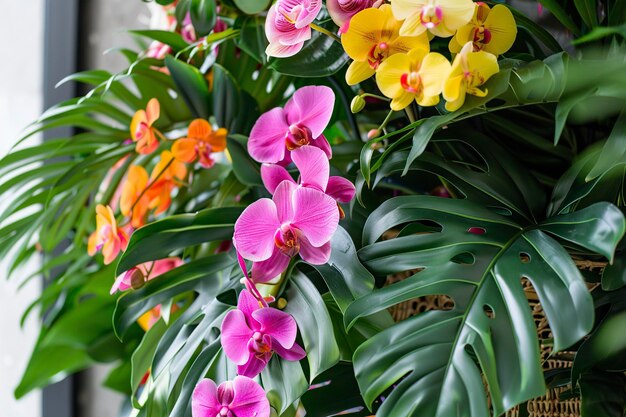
299, 219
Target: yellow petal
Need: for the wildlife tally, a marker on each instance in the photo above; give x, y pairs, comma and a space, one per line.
92, 243
427, 101
389, 74
456, 13
434, 71
463, 35
403, 8
456, 104
404, 44
485, 64
412, 26
365, 31
358, 72
402, 101
501, 23
454, 88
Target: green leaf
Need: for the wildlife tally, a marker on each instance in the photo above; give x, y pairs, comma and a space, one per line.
477, 258
284, 382
307, 306
614, 150
159, 239
561, 14
605, 348
252, 6
603, 394
320, 57
614, 275
252, 39
141, 361
191, 85
588, 11
226, 97
245, 168
203, 15
172, 39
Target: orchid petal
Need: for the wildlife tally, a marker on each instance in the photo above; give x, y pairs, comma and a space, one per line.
279, 50
254, 230
272, 175
283, 199
340, 189
322, 143
315, 214
313, 165
204, 401
250, 399
265, 271
153, 111
253, 367
277, 324
247, 304
311, 106
313, 255
235, 337
267, 138
295, 353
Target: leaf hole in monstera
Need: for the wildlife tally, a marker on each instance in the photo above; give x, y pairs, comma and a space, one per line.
524, 257
464, 258
477, 230
489, 311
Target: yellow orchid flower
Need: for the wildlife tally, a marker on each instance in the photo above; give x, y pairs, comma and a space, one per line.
491, 30
418, 75
469, 71
373, 36
440, 17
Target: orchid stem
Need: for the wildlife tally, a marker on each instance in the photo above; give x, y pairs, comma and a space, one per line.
375, 96
325, 32
384, 124
410, 114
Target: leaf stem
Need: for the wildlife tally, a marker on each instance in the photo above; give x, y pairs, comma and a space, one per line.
325, 32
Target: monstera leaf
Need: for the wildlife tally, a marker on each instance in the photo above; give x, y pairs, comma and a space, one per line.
437, 361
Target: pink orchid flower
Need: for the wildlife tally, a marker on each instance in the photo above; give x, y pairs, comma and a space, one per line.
303, 120
296, 220
251, 334
240, 398
314, 172
138, 275
341, 11
287, 26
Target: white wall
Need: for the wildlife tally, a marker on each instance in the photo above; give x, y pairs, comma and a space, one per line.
20, 103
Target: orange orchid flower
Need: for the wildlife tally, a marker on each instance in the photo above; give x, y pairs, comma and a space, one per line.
108, 237
166, 175
142, 130
134, 201
201, 142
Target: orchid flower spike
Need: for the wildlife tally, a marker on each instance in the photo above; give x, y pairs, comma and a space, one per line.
251, 334
240, 398
287, 26
281, 130
297, 220
314, 173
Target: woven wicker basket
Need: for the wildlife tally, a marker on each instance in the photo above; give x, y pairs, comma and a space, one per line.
547, 406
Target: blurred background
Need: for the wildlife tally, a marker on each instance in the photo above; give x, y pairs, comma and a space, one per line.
46, 41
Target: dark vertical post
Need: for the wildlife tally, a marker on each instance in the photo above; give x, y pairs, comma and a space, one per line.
60, 60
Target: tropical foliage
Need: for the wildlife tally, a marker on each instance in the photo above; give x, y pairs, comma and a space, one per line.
222, 225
